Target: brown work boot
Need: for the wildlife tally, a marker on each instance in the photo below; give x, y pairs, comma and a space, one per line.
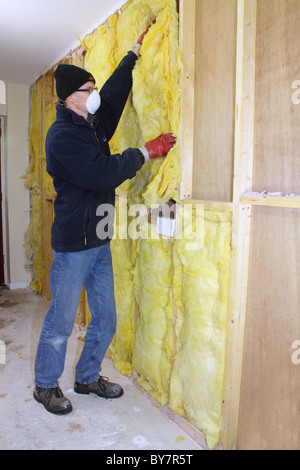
103, 388
53, 400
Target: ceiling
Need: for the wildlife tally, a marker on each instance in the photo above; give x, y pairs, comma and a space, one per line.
35, 34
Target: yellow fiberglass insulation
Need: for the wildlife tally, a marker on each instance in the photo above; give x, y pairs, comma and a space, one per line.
33, 235
49, 118
153, 349
201, 280
123, 256
153, 106
156, 97
36, 177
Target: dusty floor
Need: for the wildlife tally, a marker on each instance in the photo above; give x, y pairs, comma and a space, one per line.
131, 422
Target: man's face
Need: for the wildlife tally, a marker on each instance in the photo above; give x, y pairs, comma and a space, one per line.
77, 101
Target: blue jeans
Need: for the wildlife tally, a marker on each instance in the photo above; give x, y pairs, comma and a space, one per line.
68, 273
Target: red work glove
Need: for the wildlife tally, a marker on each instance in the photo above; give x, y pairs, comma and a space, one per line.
160, 146
141, 38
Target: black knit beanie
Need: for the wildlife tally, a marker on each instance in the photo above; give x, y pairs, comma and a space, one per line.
70, 78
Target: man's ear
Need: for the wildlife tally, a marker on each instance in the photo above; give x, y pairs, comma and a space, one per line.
70, 99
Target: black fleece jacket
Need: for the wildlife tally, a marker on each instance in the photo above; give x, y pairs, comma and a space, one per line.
84, 172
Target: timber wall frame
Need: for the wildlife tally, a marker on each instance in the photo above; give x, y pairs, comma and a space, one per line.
270, 423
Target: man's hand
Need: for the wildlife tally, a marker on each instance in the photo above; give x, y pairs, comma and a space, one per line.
141, 38
160, 146
138, 45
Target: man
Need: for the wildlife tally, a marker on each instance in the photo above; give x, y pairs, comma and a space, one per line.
85, 176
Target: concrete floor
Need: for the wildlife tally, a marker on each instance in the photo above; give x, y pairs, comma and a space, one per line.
128, 423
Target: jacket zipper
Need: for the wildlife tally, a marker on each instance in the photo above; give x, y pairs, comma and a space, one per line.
87, 220
96, 137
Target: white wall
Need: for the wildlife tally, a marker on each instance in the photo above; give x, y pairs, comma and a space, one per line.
17, 197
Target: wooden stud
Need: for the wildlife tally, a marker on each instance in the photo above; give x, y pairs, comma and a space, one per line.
186, 128
46, 203
244, 135
212, 205
272, 201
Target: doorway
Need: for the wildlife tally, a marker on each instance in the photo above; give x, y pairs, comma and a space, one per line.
2, 276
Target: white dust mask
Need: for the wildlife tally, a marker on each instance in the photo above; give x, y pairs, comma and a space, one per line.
93, 102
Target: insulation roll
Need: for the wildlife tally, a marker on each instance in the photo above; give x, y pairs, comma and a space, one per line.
201, 279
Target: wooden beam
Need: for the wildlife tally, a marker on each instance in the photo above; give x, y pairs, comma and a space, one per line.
212, 205
186, 128
272, 201
243, 164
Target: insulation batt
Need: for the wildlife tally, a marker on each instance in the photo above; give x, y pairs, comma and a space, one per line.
201, 281
124, 258
153, 106
36, 177
33, 235
171, 301
153, 349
